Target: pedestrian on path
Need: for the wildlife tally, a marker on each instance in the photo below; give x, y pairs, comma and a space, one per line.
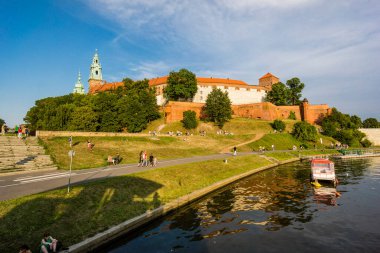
235, 151
20, 132
140, 158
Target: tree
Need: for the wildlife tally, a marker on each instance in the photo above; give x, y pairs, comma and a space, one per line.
2, 122
279, 95
303, 131
218, 107
182, 85
357, 121
371, 123
189, 119
278, 125
83, 119
295, 88
138, 107
344, 128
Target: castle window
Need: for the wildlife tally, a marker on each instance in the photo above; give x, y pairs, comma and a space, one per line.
226, 87
201, 98
96, 72
201, 92
236, 88
248, 89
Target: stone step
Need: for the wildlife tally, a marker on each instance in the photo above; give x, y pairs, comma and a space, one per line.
13, 169
23, 155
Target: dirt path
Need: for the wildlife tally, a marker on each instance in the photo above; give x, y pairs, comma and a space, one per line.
160, 127
228, 149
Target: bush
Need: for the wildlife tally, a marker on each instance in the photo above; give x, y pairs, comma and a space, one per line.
292, 115
366, 143
303, 131
278, 125
189, 120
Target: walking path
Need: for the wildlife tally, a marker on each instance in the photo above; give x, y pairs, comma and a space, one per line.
23, 155
17, 185
257, 137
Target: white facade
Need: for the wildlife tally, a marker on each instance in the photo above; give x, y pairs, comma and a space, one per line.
238, 94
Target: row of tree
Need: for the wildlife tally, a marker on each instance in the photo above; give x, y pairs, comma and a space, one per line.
130, 108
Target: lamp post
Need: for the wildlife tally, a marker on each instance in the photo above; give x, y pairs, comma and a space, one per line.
71, 154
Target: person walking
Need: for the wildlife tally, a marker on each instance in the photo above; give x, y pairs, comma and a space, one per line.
20, 132
151, 157
235, 151
140, 159
145, 159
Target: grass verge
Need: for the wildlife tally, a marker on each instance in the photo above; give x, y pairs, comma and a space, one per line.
93, 207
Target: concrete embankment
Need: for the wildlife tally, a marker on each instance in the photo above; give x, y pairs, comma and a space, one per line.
129, 225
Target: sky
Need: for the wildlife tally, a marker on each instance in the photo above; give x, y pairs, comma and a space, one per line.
332, 46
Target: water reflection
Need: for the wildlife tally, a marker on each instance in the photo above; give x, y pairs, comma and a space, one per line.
278, 204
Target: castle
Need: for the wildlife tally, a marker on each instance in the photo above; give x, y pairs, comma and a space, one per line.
247, 100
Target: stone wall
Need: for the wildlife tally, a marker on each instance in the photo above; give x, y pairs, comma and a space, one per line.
174, 110
265, 111
87, 134
373, 134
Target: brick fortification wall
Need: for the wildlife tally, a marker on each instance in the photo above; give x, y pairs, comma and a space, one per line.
88, 134
265, 111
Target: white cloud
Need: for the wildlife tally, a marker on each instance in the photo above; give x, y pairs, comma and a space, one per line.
316, 40
149, 70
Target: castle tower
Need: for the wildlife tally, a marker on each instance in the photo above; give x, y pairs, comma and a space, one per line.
95, 80
268, 80
304, 108
79, 88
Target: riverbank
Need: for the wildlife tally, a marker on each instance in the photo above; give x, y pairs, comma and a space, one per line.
95, 207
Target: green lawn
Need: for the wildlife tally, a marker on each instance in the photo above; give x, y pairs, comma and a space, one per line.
285, 141
93, 207
281, 156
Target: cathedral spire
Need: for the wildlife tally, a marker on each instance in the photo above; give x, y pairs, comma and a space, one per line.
96, 68
79, 88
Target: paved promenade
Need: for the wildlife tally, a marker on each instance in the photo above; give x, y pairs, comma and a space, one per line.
17, 185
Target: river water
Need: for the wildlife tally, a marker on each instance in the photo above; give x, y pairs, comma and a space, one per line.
274, 211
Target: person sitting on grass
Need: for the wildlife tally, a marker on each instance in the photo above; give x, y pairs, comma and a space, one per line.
48, 244
24, 249
116, 159
90, 146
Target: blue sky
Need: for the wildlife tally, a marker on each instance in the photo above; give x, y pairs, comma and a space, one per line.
332, 46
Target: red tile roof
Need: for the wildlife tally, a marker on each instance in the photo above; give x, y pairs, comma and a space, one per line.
200, 80
268, 75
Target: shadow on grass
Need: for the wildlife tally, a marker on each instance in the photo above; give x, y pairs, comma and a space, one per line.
87, 210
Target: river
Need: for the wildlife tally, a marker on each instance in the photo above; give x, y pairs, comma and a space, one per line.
274, 211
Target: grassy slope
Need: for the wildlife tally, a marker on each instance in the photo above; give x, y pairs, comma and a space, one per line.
166, 147
94, 207
285, 141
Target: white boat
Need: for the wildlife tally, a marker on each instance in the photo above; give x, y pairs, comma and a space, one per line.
322, 170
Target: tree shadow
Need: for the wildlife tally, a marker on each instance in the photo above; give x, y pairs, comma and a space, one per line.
88, 209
